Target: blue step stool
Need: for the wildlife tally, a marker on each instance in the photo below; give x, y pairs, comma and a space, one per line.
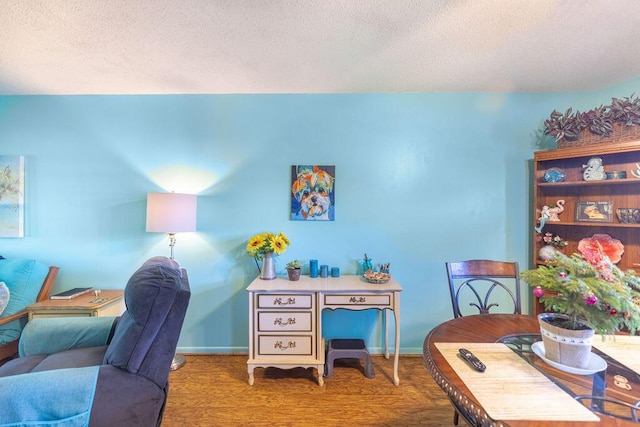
347, 349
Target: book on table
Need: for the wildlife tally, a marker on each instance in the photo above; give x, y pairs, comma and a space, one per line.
71, 293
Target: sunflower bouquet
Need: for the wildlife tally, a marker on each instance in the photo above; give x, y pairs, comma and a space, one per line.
267, 242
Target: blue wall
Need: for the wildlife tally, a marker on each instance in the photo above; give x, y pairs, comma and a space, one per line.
420, 179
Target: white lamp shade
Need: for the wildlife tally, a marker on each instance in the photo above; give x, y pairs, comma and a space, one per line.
171, 212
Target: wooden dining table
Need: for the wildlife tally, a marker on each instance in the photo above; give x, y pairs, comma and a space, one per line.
519, 332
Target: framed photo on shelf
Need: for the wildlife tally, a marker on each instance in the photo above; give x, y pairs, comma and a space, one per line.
594, 211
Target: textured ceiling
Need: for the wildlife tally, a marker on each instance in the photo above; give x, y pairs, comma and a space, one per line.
315, 46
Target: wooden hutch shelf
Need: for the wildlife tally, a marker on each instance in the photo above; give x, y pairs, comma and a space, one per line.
622, 193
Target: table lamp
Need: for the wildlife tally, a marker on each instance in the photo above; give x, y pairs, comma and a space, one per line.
172, 213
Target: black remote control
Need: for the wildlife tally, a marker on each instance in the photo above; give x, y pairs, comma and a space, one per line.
472, 360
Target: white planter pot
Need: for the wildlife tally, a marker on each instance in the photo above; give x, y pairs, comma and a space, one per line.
565, 346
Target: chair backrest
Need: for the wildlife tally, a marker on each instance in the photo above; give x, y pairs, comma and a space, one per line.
144, 342
474, 281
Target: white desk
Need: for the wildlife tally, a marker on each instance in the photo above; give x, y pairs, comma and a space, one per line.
285, 318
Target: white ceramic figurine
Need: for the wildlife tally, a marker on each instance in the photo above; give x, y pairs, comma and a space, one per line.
594, 170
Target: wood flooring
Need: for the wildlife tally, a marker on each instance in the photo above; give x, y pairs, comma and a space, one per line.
212, 390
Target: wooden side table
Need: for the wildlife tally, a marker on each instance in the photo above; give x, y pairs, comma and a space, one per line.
108, 303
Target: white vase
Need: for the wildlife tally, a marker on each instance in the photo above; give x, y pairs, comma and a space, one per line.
268, 270
546, 253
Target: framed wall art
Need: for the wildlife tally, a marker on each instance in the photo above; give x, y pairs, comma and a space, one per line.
313, 193
595, 211
11, 196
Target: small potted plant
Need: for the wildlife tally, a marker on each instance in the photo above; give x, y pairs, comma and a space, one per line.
584, 293
293, 270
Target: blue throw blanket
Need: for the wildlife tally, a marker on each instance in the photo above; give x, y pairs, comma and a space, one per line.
70, 395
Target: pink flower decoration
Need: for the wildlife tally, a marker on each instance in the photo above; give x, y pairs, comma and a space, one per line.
592, 248
538, 292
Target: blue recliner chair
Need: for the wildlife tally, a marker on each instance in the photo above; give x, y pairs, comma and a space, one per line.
100, 371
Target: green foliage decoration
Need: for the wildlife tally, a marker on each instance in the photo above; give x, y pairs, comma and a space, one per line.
590, 290
292, 265
599, 120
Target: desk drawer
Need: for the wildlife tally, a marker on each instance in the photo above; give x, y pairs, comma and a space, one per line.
374, 300
285, 345
270, 321
284, 301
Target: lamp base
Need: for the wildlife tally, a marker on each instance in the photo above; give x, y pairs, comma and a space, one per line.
178, 361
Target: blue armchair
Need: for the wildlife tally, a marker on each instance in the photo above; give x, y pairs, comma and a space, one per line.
100, 371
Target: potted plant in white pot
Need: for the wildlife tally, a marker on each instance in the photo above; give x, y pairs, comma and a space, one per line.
584, 293
293, 270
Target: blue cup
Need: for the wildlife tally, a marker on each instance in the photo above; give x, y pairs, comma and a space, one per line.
324, 271
313, 268
335, 272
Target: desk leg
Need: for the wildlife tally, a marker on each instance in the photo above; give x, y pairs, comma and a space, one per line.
321, 368
251, 379
396, 314
252, 330
385, 319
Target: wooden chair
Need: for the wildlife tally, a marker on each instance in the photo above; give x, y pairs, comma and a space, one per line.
482, 278
480, 283
10, 349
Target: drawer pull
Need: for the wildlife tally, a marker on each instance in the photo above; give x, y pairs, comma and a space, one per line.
281, 346
290, 321
288, 301
358, 300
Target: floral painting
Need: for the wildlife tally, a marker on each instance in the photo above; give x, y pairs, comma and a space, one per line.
313, 193
11, 196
